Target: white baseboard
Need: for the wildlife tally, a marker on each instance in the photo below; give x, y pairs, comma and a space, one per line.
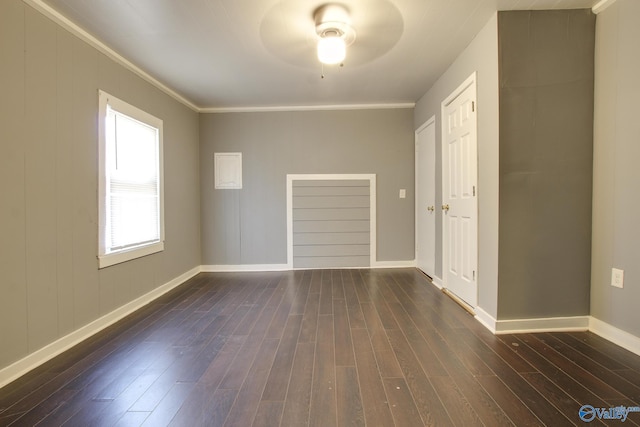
521, 326
555, 324
285, 267
486, 319
244, 267
617, 336
37, 358
546, 324
437, 282
394, 264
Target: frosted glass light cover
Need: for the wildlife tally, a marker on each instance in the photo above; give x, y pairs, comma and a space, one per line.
331, 50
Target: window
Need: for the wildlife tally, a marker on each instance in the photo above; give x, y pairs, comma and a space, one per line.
130, 182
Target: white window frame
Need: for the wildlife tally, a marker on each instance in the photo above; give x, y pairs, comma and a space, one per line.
106, 256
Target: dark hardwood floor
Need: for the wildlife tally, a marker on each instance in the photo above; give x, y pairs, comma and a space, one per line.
320, 348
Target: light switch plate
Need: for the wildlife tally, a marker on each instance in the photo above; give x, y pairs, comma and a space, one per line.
403, 193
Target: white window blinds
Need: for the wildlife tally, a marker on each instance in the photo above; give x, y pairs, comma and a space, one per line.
134, 199
131, 183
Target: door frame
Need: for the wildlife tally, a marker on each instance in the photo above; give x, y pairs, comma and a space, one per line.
471, 80
430, 122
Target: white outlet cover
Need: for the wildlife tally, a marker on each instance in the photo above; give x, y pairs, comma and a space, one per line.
617, 278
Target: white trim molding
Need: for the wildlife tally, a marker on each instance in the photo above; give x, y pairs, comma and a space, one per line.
49, 351
556, 324
437, 282
487, 320
615, 335
236, 268
521, 326
544, 324
336, 107
394, 264
57, 17
347, 176
602, 5
83, 35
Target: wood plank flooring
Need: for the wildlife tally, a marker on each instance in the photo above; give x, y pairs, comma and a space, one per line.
320, 348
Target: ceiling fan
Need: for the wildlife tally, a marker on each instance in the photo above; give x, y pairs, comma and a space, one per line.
298, 32
335, 33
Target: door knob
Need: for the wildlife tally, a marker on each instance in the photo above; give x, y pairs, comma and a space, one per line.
431, 208
445, 208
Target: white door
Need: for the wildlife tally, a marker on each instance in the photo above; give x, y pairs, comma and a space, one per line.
459, 201
426, 197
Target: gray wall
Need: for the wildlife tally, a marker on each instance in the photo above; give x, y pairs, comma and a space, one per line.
546, 145
480, 56
50, 283
616, 175
248, 226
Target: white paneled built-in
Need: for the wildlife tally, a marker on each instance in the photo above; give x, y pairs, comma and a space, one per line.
331, 221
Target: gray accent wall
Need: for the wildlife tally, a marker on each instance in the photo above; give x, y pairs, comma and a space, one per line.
481, 56
616, 174
248, 226
535, 110
50, 284
546, 145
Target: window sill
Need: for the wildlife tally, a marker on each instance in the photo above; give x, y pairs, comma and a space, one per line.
128, 255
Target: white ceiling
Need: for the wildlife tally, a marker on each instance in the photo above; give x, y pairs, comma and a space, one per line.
226, 54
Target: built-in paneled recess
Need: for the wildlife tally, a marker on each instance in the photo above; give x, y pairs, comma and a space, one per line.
331, 223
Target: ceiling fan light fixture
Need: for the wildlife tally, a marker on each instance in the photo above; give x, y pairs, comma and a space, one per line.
333, 27
331, 49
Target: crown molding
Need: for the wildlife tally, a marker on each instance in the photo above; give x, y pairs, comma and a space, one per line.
82, 34
79, 32
602, 5
307, 108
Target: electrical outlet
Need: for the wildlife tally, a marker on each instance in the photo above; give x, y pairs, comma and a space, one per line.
617, 278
